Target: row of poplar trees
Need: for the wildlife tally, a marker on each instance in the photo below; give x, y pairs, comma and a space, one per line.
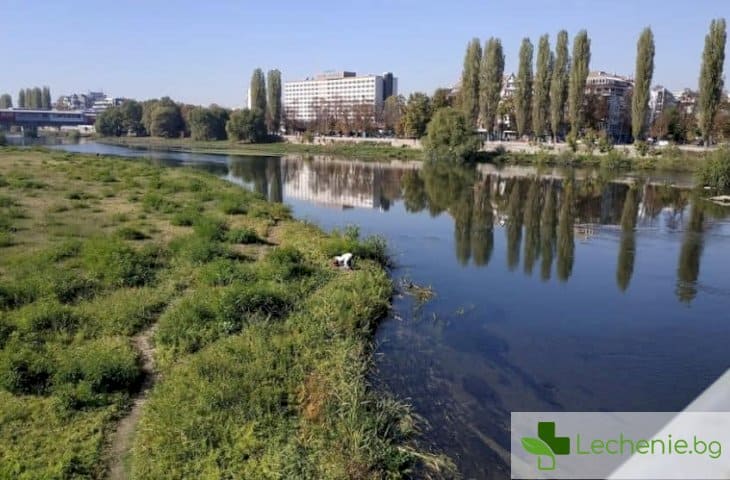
37, 98
267, 101
557, 86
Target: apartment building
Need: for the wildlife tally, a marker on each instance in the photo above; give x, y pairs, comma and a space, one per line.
303, 99
659, 100
615, 89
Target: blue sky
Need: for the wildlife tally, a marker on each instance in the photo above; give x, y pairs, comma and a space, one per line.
204, 51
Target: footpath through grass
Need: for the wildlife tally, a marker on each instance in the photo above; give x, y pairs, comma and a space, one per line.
262, 348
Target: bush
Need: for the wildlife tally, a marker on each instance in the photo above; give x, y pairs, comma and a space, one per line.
130, 233
48, 318
287, 263
198, 250
121, 265
449, 135
185, 218
224, 271
107, 365
232, 205
190, 324
25, 369
246, 126
372, 248
714, 172
210, 228
243, 303
243, 236
642, 148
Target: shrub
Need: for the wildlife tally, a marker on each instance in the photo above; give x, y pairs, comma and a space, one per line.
449, 135
373, 247
191, 323
70, 286
157, 202
224, 271
714, 172
642, 148
287, 263
210, 228
25, 369
48, 318
243, 236
241, 303
121, 265
107, 365
64, 250
185, 218
232, 205
16, 294
130, 233
198, 249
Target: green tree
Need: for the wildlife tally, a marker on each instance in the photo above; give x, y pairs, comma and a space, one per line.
132, 117
417, 115
578, 77
440, 98
393, 111
523, 93
257, 91
642, 84
6, 101
29, 99
627, 247
541, 90
110, 123
559, 85
469, 92
711, 80
166, 119
207, 123
46, 102
37, 97
491, 76
274, 100
246, 126
21, 99
451, 135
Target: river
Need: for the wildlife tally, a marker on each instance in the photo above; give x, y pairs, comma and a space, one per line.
554, 290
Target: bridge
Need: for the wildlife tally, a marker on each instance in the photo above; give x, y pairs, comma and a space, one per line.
45, 118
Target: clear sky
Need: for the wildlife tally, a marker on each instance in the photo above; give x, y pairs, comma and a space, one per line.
204, 51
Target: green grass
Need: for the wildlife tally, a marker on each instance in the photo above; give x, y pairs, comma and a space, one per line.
262, 347
368, 150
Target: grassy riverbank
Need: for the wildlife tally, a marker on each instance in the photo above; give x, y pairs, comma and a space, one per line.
362, 151
261, 348
669, 159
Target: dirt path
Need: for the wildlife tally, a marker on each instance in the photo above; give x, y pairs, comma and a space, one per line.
121, 441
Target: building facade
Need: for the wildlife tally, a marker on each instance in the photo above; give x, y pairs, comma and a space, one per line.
616, 90
659, 100
304, 99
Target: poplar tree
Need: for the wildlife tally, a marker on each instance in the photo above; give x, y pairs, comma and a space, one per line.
711, 81
541, 89
578, 77
274, 99
258, 91
46, 98
523, 92
559, 84
21, 98
491, 76
29, 98
469, 93
37, 98
642, 84
6, 101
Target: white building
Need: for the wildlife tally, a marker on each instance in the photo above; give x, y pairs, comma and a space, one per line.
659, 100
616, 89
302, 99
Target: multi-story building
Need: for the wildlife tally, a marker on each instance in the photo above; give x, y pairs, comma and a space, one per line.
509, 86
687, 101
615, 89
659, 100
303, 99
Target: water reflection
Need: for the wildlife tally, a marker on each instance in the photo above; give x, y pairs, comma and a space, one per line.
542, 216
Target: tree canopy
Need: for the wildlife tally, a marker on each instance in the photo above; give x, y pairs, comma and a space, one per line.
450, 135
246, 126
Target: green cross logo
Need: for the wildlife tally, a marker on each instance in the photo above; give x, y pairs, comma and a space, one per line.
546, 445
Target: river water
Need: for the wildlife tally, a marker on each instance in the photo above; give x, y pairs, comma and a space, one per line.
554, 290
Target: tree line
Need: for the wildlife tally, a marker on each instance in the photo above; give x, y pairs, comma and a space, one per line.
169, 119
550, 98
38, 98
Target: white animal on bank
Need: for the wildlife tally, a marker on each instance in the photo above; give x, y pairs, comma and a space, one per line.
344, 260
